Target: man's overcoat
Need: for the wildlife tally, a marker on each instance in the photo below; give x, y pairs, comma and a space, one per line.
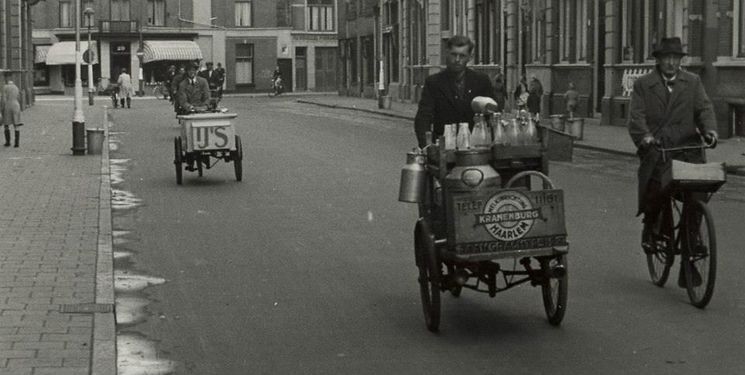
673, 118
11, 104
440, 104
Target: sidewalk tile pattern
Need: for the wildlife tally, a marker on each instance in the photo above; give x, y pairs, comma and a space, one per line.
49, 204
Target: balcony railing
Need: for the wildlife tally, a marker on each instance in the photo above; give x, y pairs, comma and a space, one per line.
109, 26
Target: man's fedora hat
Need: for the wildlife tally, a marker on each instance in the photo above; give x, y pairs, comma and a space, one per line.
669, 46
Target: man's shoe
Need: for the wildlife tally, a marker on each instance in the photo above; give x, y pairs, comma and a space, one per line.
695, 278
648, 240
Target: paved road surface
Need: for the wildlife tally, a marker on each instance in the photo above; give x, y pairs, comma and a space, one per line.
307, 265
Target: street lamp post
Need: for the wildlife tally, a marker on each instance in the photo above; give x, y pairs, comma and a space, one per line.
140, 57
78, 118
89, 12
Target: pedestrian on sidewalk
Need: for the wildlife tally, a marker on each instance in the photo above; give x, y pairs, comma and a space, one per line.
11, 109
175, 82
521, 94
125, 88
571, 97
500, 90
669, 107
535, 94
447, 95
220, 78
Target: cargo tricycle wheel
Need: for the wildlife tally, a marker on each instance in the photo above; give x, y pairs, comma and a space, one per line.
237, 157
178, 160
554, 288
428, 262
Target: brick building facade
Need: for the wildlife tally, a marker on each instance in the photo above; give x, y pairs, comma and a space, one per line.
601, 46
250, 38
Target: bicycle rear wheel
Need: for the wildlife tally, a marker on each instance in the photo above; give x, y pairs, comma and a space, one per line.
661, 258
700, 257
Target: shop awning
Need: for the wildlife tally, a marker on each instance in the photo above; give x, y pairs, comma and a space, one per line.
157, 50
63, 53
40, 54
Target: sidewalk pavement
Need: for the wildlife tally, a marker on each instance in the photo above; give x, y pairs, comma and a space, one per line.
55, 250
611, 139
106, 100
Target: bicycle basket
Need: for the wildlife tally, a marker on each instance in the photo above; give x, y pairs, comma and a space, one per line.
708, 177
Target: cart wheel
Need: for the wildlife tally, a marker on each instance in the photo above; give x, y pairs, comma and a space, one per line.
429, 274
178, 160
555, 288
200, 169
237, 157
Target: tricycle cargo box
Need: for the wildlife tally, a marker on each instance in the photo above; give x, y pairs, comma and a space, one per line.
208, 131
506, 221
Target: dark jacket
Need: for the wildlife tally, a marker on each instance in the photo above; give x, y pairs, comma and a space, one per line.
210, 76
196, 95
440, 105
671, 118
534, 96
220, 76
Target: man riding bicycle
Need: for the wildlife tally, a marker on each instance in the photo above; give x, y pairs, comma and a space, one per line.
669, 108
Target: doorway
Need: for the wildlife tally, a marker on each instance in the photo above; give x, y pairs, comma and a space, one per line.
301, 68
121, 58
325, 68
285, 68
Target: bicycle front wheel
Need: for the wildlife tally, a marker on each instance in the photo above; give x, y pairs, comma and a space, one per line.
700, 257
661, 257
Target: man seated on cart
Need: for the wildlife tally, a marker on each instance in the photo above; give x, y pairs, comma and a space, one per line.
193, 92
669, 108
447, 95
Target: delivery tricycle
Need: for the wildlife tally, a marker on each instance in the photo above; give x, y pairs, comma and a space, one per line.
490, 219
206, 138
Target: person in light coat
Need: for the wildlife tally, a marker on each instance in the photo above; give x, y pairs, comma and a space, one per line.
125, 88
11, 110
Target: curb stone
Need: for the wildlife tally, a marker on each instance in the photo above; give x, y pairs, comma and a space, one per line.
104, 324
738, 170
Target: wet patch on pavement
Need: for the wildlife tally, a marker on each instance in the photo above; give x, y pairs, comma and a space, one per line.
136, 354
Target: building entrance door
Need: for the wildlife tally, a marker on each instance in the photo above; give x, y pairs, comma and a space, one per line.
301, 68
285, 68
121, 58
325, 68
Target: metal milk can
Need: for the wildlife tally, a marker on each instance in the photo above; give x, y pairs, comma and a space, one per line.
413, 178
472, 172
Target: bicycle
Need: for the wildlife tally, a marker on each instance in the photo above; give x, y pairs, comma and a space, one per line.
277, 86
160, 90
685, 226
